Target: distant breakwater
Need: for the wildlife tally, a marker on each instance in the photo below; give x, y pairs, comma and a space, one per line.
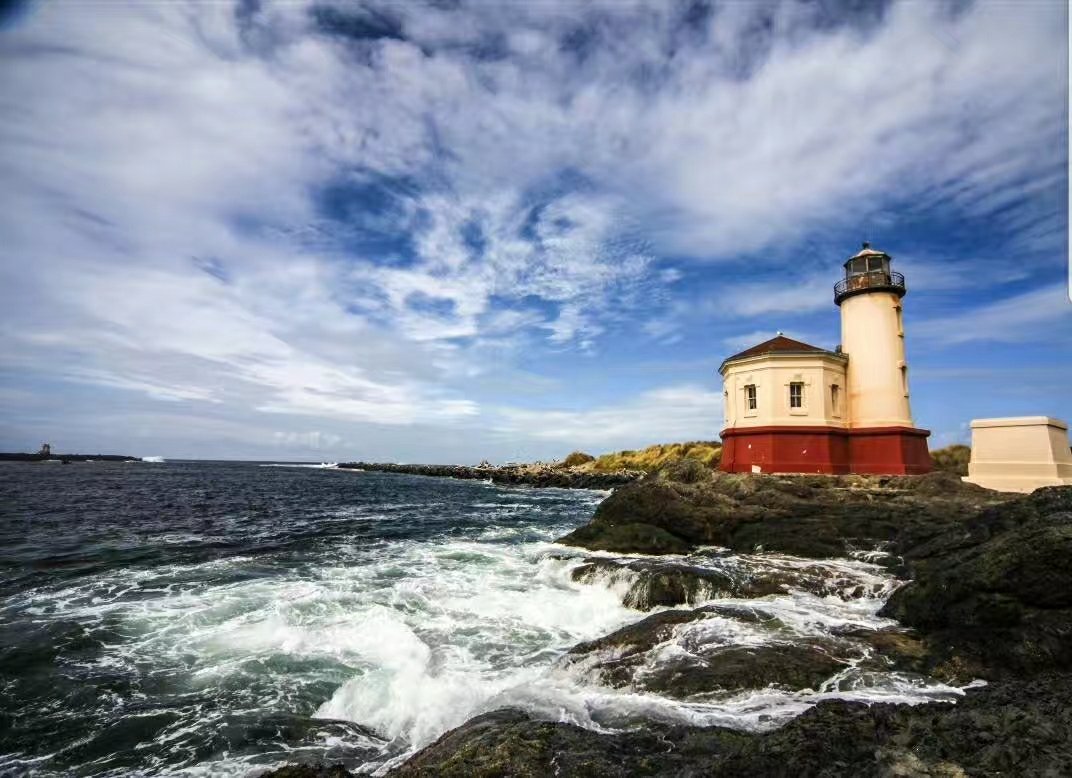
528, 475
17, 457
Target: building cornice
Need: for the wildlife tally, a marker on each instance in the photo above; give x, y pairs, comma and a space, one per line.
783, 355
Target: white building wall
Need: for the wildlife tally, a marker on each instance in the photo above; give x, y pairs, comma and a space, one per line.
772, 374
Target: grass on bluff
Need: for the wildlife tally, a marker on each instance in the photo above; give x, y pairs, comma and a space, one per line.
951, 458
649, 459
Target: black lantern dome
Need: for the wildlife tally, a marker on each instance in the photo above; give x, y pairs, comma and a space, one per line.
868, 270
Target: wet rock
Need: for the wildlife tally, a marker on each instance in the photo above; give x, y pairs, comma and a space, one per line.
509, 743
631, 537
1004, 602
1011, 728
615, 658
894, 648
803, 664
660, 584
632, 657
308, 771
810, 516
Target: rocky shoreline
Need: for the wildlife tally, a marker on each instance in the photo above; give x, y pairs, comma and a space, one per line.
542, 476
989, 599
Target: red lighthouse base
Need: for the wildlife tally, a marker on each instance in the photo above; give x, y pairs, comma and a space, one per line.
784, 449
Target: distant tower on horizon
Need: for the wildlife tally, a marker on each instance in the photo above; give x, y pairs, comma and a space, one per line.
792, 407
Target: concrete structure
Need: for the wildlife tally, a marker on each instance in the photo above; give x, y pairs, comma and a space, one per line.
1020, 454
794, 407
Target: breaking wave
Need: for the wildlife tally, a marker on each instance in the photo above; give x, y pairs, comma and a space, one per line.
265, 616
320, 466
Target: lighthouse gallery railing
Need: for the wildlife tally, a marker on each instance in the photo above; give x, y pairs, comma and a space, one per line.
876, 279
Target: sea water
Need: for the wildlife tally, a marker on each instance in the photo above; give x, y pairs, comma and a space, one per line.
193, 618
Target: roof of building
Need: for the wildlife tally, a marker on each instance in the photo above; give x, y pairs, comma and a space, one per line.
778, 344
867, 251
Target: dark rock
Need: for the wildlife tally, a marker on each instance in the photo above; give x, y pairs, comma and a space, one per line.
803, 664
509, 743
661, 583
657, 628
631, 538
811, 516
894, 648
623, 658
308, 771
1002, 604
515, 475
1013, 728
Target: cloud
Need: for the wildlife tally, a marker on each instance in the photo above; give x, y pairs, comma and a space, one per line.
783, 295
381, 216
669, 413
1042, 314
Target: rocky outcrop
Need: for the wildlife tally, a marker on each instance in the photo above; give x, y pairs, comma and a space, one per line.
1004, 729
543, 476
796, 665
999, 602
318, 770
652, 585
810, 516
991, 597
659, 583
700, 665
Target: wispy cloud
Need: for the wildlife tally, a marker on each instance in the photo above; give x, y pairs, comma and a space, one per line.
670, 413
1042, 314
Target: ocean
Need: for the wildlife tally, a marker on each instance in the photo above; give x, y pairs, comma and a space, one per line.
216, 618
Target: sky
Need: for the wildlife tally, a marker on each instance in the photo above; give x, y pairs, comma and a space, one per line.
445, 231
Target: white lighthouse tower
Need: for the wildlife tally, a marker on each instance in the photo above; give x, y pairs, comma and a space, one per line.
872, 336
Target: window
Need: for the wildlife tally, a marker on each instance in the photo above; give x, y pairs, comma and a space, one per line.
750, 397
904, 380
874, 263
835, 398
796, 394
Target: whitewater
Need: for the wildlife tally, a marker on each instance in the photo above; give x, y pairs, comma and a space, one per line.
214, 619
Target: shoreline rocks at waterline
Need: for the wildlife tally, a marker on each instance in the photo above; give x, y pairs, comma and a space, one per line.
536, 475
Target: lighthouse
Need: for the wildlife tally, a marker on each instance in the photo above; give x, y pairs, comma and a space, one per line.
791, 407
872, 335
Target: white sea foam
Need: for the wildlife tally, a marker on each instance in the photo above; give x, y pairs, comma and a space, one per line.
155, 460
319, 466
413, 637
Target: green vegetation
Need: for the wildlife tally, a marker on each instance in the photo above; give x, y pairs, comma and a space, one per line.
656, 457
952, 459
577, 458
687, 471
